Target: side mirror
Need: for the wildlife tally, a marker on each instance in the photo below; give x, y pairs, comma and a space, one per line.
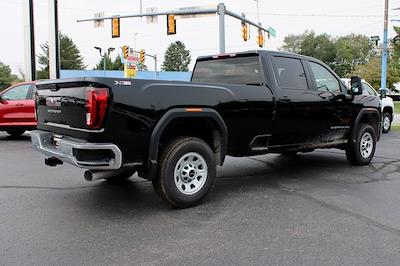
2, 100
356, 85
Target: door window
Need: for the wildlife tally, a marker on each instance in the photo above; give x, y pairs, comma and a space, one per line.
17, 93
325, 80
290, 73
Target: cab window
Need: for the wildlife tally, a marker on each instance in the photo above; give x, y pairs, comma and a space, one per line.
325, 80
290, 73
17, 93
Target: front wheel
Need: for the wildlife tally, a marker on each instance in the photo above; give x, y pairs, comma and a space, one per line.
186, 172
387, 122
362, 150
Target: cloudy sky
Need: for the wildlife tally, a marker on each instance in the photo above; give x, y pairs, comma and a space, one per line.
200, 35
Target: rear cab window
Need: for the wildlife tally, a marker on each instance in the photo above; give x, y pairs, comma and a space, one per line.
243, 70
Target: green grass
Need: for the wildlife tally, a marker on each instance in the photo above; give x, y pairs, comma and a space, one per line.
395, 127
397, 107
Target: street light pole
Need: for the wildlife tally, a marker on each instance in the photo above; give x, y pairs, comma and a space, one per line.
385, 45
104, 56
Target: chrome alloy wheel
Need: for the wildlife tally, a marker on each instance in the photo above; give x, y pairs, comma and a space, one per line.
386, 123
366, 145
190, 173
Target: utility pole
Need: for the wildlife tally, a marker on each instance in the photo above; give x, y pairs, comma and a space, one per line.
385, 46
54, 49
30, 60
221, 13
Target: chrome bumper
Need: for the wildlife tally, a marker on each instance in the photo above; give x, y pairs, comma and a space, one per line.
64, 148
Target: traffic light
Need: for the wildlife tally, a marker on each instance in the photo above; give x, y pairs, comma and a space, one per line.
245, 31
260, 38
142, 54
115, 28
171, 25
125, 51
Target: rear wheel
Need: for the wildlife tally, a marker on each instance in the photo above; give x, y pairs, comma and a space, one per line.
387, 122
15, 132
186, 172
362, 151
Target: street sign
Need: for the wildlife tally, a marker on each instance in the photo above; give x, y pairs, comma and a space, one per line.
99, 22
194, 8
151, 19
130, 64
272, 31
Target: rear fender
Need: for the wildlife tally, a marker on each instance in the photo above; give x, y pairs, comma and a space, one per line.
183, 113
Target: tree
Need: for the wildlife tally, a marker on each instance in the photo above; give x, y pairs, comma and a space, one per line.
6, 77
352, 50
70, 57
371, 72
292, 42
176, 58
118, 65
109, 63
142, 67
318, 46
342, 54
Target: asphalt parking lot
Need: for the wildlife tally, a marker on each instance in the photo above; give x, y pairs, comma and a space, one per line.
311, 210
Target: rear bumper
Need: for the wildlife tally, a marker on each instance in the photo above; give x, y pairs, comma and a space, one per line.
67, 150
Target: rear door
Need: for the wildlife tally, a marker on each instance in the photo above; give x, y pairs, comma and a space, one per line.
13, 105
296, 115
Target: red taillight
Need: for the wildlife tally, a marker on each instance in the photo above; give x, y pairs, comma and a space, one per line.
96, 105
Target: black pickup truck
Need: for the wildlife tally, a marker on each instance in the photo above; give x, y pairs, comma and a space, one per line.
176, 133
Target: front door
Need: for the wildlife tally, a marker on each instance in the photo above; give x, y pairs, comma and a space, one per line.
335, 112
13, 105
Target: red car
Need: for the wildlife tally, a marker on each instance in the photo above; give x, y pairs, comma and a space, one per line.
17, 109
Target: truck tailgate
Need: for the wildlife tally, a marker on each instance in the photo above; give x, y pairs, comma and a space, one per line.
71, 104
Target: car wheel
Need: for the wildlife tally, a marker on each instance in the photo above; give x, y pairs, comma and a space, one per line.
16, 132
362, 151
187, 170
386, 122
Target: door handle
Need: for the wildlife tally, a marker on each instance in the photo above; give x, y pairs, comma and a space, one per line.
19, 105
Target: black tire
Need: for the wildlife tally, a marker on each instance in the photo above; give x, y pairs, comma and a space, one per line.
181, 154
121, 177
386, 116
16, 132
289, 153
353, 151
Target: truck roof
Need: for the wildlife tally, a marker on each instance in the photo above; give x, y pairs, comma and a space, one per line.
253, 52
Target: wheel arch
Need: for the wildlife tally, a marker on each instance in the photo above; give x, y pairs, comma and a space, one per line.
367, 115
184, 113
